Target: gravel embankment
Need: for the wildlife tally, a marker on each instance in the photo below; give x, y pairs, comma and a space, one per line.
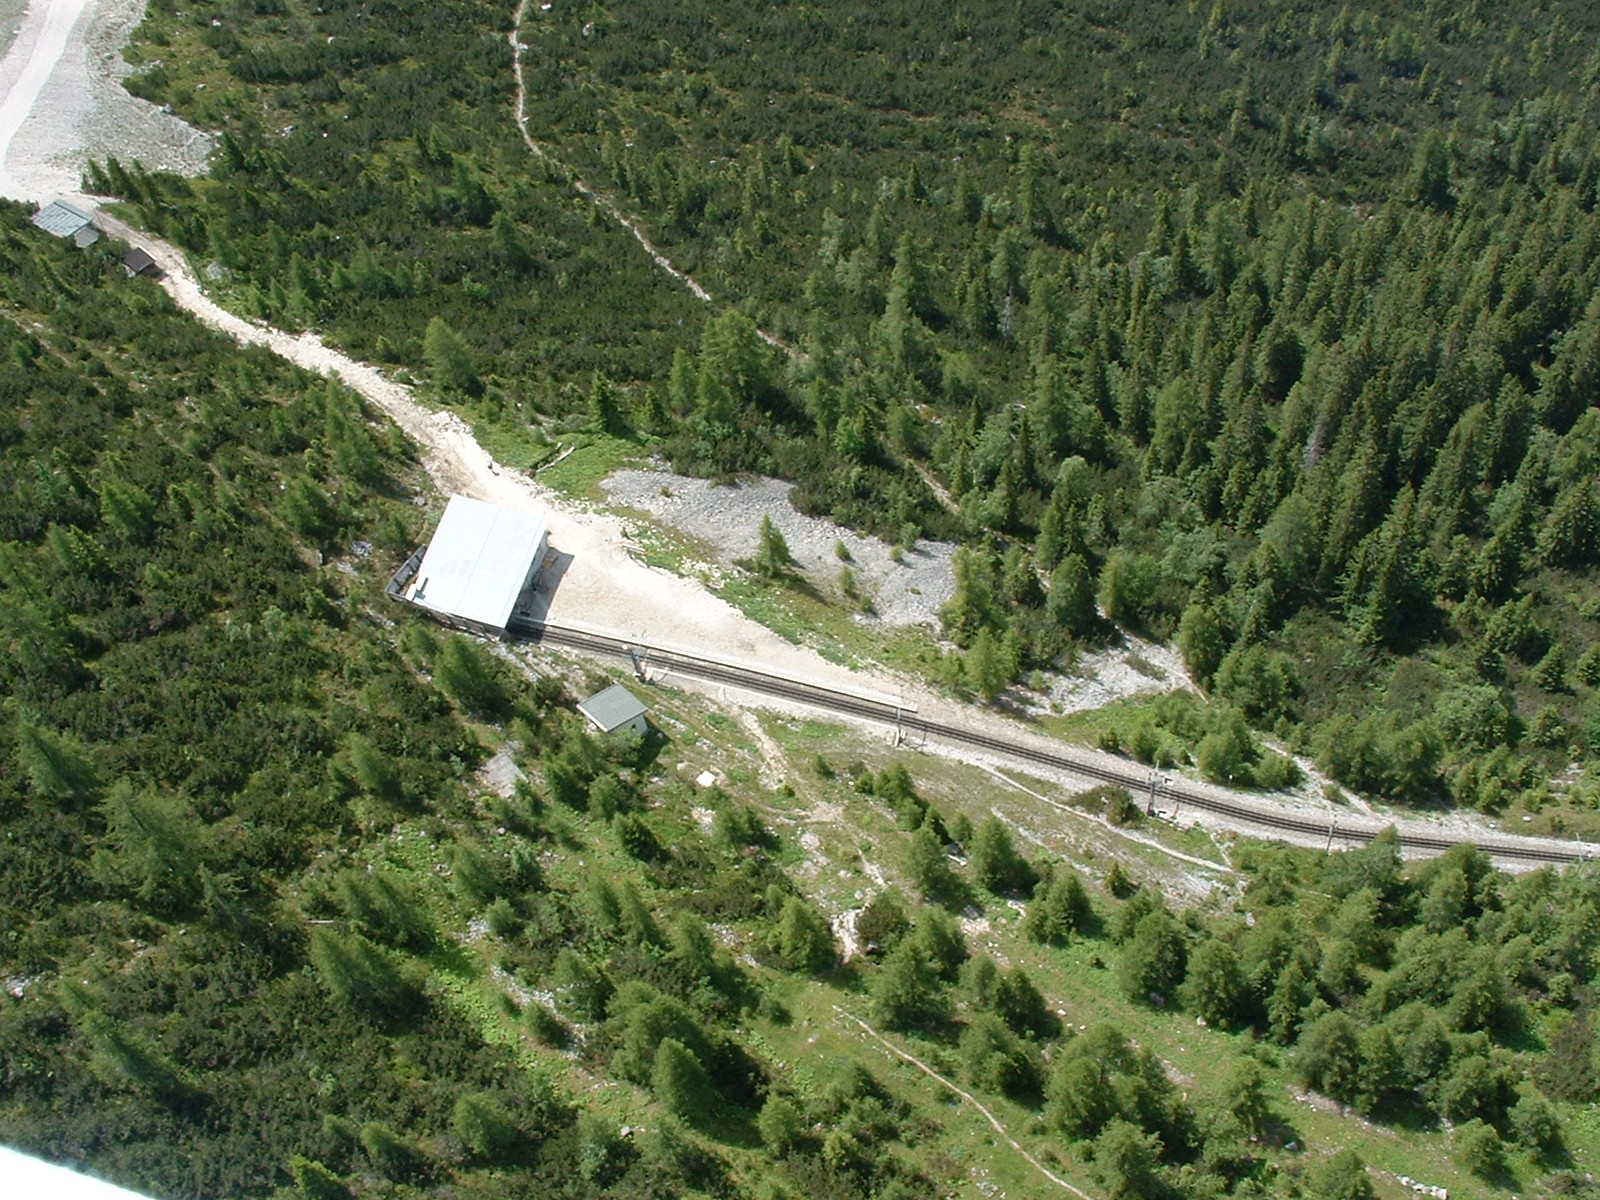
62, 100
728, 520
1134, 668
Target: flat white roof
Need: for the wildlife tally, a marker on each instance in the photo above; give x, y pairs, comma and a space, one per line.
477, 562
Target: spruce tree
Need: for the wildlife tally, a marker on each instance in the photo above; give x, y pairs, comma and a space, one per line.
994, 862
483, 1124
772, 559
679, 1081
450, 361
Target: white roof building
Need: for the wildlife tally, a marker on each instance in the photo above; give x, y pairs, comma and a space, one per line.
481, 561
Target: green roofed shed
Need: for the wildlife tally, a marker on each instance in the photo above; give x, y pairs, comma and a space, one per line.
66, 221
613, 709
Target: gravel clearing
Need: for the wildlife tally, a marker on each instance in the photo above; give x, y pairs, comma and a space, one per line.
1134, 668
62, 100
727, 518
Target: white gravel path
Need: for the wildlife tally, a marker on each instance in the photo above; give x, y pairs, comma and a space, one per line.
62, 100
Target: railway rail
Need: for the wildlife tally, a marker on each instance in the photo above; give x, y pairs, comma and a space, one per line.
905, 718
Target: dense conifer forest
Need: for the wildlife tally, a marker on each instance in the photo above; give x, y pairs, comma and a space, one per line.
1267, 328
266, 934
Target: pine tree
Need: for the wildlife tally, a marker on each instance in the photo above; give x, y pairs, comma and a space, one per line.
1341, 1177
450, 360
694, 951
994, 862
985, 671
390, 1153
354, 453
1245, 1097
682, 382
313, 1181
513, 250
127, 509
679, 1081
1329, 1057
154, 847
968, 201
356, 972
1153, 959
1059, 909
939, 939
782, 1124
466, 673
1214, 986
475, 875
1570, 536
1395, 597
373, 771
55, 764
307, 509
1291, 992
772, 559
383, 906
1203, 636
803, 940
929, 865
1019, 1003
733, 354
1126, 1160
581, 990
906, 992
1032, 203
483, 1124
604, 410
122, 1058
1070, 604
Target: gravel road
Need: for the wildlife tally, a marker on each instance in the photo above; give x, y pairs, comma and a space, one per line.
62, 100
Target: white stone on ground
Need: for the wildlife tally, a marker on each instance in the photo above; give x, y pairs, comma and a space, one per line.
727, 517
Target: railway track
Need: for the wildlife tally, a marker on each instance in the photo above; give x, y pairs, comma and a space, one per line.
905, 718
